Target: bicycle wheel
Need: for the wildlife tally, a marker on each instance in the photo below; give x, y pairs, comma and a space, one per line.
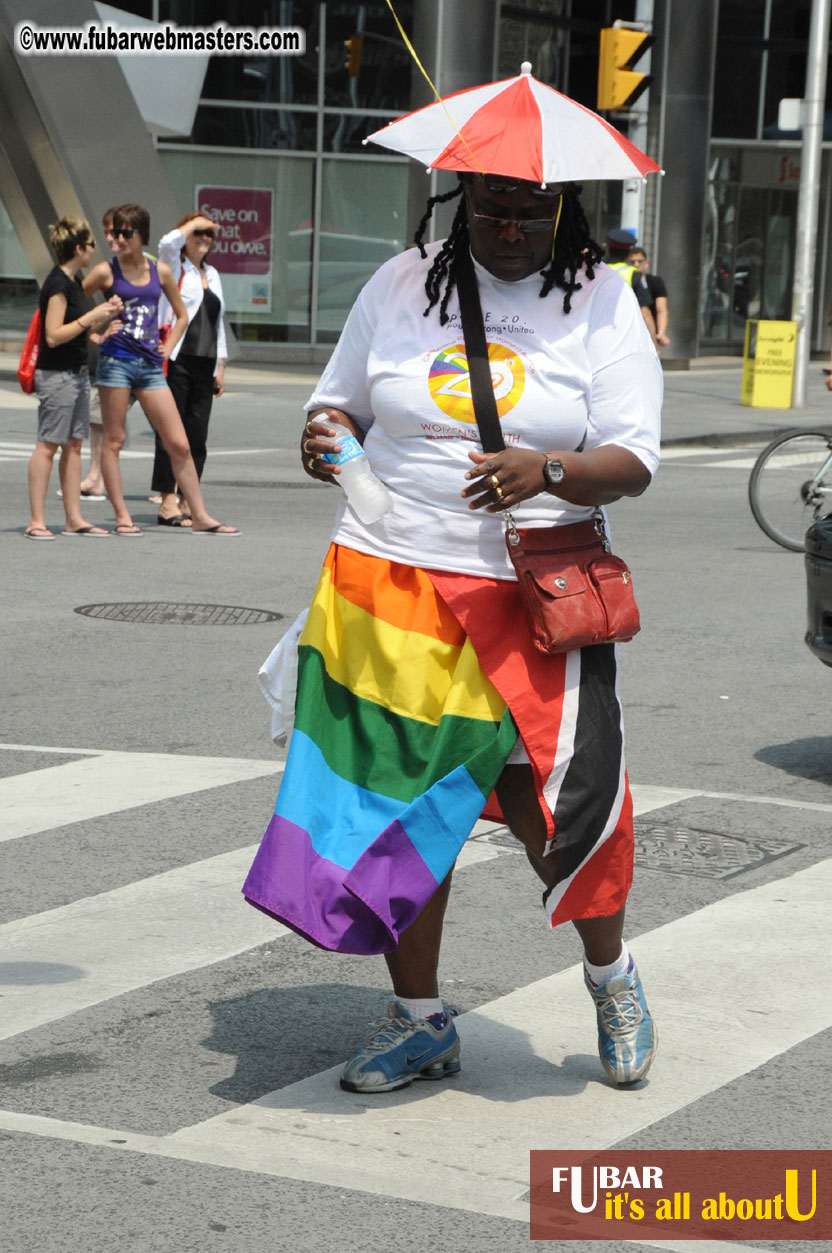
787, 491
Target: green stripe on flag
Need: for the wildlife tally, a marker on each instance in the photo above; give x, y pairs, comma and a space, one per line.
386, 752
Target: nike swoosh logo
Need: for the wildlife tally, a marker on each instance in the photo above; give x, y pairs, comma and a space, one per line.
410, 1061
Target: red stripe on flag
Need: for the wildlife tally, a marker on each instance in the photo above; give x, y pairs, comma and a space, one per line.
600, 885
531, 683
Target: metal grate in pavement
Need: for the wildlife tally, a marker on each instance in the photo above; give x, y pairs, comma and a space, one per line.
164, 613
683, 850
703, 854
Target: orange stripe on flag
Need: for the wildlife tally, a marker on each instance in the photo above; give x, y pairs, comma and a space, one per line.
402, 596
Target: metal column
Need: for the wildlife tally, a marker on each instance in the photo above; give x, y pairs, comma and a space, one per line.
455, 42
687, 34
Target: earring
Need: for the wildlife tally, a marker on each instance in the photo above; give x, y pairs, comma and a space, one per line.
557, 223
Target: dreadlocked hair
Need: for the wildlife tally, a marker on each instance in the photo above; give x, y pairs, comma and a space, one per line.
574, 247
444, 263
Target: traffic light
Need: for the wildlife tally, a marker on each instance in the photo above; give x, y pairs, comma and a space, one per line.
354, 47
619, 86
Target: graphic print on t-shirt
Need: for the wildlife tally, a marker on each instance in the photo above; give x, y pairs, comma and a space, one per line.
136, 316
449, 380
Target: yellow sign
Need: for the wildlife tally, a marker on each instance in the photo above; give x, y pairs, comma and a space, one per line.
768, 364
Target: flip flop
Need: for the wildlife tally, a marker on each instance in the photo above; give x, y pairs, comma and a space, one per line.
92, 495
178, 520
32, 533
128, 530
216, 530
87, 532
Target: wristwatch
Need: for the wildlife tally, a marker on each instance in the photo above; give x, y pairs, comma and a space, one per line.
553, 473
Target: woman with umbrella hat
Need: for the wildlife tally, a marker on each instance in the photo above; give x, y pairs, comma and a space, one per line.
421, 700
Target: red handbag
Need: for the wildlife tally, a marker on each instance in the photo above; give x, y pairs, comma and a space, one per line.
29, 356
166, 327
575, 592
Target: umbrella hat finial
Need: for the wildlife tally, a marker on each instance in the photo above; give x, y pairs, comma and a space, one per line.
526, 67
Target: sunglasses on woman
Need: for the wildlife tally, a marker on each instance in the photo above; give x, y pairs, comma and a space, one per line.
526, 226
206, 234
124, 232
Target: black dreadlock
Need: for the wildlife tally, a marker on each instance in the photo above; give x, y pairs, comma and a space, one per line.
574, 247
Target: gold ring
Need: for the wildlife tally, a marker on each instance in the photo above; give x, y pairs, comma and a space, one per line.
307, 449
499, 491
495, 482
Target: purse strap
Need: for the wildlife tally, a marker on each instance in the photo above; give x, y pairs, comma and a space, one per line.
476, 350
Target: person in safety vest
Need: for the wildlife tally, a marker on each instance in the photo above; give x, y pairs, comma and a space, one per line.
619, 244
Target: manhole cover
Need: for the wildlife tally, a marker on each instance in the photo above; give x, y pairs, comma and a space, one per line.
704, 854
682, 850
157, 613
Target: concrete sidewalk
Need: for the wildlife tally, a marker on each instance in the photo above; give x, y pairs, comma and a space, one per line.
702, 405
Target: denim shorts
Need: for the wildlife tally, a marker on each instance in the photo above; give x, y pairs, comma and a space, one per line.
133, 372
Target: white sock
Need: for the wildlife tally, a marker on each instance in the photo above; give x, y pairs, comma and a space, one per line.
603, 974
422, 1009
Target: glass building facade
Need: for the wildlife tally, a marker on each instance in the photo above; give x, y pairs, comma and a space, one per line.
308, 212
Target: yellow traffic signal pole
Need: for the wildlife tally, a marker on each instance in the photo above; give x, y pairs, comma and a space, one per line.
632, 194
807, 209
620, 86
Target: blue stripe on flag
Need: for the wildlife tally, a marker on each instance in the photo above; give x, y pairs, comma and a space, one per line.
343, 819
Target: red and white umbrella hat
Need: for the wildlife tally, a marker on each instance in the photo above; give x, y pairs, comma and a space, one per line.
519, 128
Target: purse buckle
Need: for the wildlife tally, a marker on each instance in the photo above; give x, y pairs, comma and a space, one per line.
600, 529
512, 533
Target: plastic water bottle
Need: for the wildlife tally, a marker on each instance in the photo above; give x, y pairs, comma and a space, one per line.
365, 491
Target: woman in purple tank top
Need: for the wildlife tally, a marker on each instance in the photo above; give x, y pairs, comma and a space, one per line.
131, 360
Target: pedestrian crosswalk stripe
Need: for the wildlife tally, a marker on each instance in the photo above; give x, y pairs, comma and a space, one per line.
109, 782
530, 1077
76, 956
116, 942
160, 1146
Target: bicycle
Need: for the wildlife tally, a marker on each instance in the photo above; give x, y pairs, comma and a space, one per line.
791, 485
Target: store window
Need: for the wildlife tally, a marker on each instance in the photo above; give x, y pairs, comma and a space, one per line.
264, 210
363, 224
287, 132
750, 234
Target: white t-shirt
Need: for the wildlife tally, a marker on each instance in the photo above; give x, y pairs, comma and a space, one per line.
561, 381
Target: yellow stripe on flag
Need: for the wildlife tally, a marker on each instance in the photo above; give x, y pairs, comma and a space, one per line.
409, 673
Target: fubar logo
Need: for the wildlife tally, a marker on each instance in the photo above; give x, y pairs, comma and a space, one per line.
715, 1194
449, 380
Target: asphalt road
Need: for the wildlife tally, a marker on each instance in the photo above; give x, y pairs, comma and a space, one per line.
145, 1008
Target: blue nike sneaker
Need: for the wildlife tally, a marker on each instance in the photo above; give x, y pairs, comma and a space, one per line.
627, 1035
403, 1049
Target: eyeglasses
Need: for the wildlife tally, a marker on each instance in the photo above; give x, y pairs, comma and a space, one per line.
124, 232
89, 244
205, 234
526, 226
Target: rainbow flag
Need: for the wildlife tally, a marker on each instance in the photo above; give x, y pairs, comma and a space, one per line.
399, 738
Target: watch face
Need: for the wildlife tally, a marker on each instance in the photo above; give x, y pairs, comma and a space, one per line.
553, 472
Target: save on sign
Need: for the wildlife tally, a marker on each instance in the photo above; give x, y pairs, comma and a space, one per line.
243, 249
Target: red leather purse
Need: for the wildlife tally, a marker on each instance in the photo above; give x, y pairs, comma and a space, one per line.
575, 592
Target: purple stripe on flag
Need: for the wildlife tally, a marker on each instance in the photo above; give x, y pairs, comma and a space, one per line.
362, 910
